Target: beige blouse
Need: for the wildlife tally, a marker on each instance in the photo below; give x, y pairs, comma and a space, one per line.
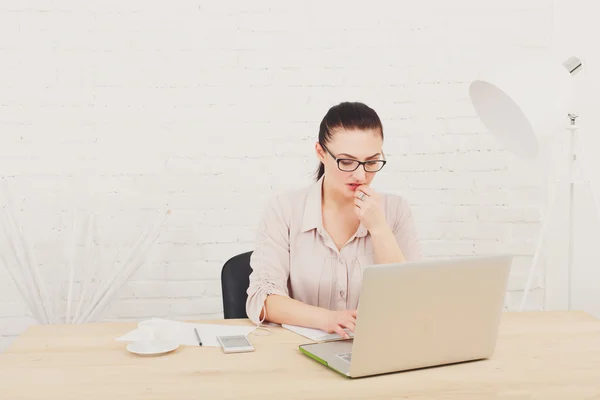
294, 255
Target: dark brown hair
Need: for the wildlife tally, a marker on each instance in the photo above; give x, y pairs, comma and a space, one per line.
348, 116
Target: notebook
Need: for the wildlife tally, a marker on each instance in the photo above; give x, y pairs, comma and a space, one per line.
183, 332
316, 335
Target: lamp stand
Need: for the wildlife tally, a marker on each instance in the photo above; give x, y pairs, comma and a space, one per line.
575, 161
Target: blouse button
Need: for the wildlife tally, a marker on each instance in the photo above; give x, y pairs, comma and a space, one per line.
342, 293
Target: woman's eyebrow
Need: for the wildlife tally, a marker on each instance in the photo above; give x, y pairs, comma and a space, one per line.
351, 156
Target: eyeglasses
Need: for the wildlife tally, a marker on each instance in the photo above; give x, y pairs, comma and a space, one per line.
349, 164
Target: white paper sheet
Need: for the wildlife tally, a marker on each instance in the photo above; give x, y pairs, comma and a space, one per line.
183, 332
316, 335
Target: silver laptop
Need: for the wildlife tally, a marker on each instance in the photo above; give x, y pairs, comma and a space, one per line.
421, 314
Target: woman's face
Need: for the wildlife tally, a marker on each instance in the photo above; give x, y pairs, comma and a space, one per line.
355, 145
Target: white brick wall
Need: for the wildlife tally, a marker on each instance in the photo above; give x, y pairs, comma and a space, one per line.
209, 108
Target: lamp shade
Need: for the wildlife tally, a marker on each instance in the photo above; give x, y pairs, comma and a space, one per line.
523, 103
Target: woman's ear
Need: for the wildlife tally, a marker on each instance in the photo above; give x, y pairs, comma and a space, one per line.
320, 152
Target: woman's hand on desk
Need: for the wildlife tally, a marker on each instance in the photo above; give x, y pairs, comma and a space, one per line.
337, 321
285, 310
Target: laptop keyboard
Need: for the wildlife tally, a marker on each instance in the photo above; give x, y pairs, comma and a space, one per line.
345, 356
334, 336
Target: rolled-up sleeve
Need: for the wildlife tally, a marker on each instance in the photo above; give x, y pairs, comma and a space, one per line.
270, 260
405, 232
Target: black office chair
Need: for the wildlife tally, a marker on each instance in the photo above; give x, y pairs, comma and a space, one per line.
235, 279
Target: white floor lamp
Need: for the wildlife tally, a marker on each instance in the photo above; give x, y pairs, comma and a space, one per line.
523, 104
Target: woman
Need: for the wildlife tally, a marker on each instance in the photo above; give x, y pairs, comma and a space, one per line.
314, 243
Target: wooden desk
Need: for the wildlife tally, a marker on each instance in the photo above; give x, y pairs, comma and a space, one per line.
545, 355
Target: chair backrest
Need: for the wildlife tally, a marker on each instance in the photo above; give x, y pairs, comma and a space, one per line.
235, 279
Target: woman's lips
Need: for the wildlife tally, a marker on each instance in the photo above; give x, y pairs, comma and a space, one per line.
353, 186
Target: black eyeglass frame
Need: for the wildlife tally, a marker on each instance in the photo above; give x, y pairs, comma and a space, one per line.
363, 163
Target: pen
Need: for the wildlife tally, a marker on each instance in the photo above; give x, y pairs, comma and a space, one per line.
198, 336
